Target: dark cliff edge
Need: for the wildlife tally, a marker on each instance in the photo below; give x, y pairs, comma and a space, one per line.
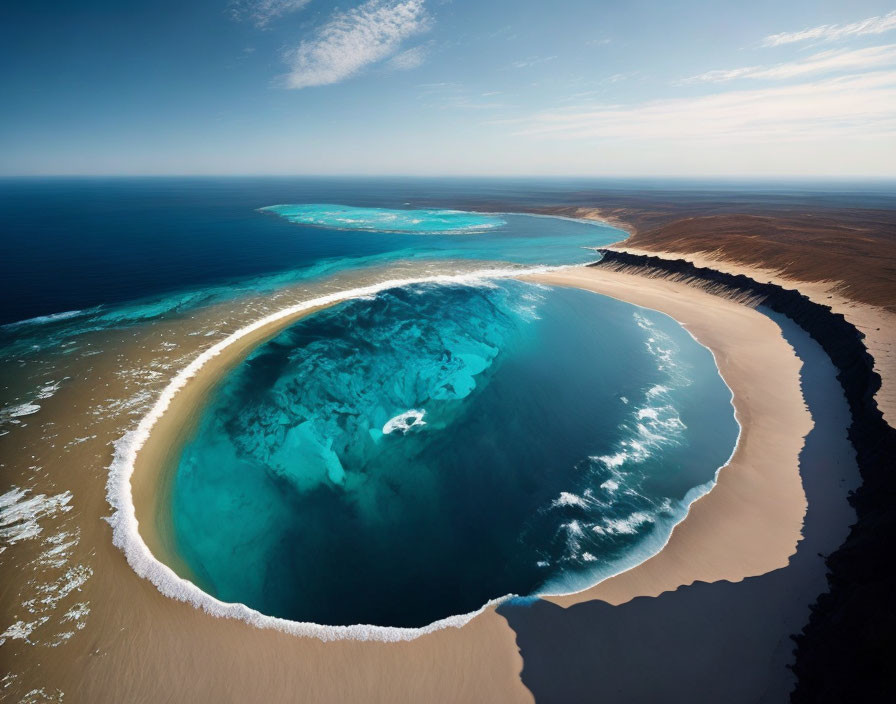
844, 654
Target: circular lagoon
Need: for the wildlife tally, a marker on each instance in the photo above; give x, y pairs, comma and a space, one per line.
401, 459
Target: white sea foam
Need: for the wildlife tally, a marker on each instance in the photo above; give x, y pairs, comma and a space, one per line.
21, 630
31, 407
22, 409
403, 422
42, 319
78, 613
574, 528
42, 696
617, 459
610, 485
57, 555
125, 532
20, 515
568, 499
655, 424
73, 579
528, 304
628, 525
48, 389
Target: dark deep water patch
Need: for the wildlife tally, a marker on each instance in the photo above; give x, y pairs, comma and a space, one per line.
399, 460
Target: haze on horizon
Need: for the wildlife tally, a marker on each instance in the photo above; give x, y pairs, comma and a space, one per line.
435, 87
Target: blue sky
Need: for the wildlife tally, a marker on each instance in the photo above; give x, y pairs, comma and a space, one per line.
523, 87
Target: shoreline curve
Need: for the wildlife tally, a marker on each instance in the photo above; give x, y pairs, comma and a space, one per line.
750, 520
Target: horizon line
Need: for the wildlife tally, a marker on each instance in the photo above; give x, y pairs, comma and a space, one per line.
494, 176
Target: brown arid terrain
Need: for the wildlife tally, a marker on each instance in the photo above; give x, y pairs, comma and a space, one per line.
853, 250
844, 258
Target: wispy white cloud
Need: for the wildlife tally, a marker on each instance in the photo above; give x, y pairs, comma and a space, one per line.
833, 32
408, 59
617, 77
533, 61
456, 96
440, 86
854, 105
261, 12
353, 39
823, 62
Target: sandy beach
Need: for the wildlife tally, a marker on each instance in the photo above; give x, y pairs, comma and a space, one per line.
138, 645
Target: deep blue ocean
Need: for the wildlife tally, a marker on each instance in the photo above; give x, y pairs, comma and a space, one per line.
404, 457
72, 245
76, 243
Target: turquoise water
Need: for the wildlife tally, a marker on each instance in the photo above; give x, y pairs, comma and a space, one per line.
401, 459
422, 221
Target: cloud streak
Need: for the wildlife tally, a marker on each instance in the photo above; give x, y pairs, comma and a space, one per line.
834, 32
409, 59
532, 61
823, 62
261, 12
455, 96
846, 106
354, 39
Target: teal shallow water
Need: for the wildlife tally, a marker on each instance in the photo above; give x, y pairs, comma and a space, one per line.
425, 221
399, 460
